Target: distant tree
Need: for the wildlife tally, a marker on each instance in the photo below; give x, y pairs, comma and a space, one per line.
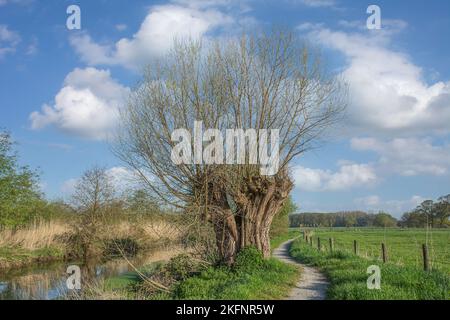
413, 219
350, 221
426, 209
93, 192
330, 220
384, 220
140, 202
429, 213
20, 198
92, 199
442, 211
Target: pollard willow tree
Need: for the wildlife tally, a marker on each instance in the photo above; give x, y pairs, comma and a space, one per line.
270, 81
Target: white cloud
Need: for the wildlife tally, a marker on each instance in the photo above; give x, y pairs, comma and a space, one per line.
387, 91
68, 187
121, 27
395, 207
122, 177
33, 47
407, 157
318, 3
308, 26
161, 27
8, 40
369, 201
212, 3
391, 25
86, 106
348, 176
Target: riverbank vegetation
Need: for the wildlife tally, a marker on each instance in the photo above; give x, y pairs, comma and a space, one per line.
98, 221
50, 241
252, 277
196, 275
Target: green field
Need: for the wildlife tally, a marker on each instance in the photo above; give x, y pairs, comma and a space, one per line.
404, 246
348, 276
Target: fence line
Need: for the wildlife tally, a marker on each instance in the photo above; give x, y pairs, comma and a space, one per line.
427, 264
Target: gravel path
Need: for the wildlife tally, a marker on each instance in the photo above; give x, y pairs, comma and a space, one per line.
312, 285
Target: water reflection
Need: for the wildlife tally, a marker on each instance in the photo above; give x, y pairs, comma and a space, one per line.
49, 281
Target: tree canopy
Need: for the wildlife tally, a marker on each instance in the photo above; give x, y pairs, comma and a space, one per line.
19, 189
271, 82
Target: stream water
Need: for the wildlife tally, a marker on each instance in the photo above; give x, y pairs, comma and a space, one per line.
48, 281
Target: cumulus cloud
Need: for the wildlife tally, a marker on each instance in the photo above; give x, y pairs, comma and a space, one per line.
348, 176
9, 40
407, 157
86, 106
161, 27
396, 207
388, 93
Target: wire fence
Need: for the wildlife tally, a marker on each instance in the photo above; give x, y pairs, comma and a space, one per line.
425, 255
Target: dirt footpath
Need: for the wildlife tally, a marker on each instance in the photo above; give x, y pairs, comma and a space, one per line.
312, 284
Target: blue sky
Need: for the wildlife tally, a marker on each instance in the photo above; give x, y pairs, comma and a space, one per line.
391, 152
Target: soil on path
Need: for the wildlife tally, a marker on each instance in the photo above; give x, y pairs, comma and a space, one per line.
312, 284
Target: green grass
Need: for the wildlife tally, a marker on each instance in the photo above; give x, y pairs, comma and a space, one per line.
404, 246
252, 278
277, 241
347, 274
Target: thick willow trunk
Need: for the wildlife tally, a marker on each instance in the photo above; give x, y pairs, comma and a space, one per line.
256, 207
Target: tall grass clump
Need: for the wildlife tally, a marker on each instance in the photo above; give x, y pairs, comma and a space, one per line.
38, 235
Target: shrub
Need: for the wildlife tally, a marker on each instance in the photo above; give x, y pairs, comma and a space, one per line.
181, 267
249, 259
120, 247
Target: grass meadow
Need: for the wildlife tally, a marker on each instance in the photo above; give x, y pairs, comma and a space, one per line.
402, 276
404, 246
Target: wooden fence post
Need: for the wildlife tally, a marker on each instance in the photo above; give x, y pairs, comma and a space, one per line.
318, 244
331, 244
355, 247
384, 253
426, 262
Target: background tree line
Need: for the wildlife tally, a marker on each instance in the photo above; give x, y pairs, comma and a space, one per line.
22, 201
342, 219
427, 214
